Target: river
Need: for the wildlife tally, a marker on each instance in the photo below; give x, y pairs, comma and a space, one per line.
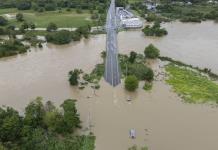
162, 121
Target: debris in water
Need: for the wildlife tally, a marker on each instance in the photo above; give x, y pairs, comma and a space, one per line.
132, 133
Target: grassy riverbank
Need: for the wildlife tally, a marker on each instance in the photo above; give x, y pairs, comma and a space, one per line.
192, 85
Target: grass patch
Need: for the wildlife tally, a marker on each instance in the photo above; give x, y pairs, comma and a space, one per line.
147, 86
62, 18
191, 85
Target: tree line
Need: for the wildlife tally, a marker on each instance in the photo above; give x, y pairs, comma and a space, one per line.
50, 5
42, 127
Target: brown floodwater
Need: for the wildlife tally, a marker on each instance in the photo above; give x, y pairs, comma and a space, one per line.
162, 121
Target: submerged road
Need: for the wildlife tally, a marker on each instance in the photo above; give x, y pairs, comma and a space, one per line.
112, 68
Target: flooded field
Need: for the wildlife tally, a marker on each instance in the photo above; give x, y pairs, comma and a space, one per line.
162, 121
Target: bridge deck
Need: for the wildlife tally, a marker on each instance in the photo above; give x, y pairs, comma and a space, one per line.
112, 68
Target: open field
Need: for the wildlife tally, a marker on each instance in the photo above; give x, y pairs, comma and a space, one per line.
62, 18
133, 1
191, 85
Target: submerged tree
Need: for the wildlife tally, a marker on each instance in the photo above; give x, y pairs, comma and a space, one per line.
74, 76
132, 56
131, 83
151, 51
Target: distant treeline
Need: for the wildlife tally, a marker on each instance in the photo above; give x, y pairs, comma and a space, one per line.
50, 5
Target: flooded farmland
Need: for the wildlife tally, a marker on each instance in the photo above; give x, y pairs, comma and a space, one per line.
162, 121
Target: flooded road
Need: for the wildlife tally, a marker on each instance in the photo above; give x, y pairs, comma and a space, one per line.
162, 121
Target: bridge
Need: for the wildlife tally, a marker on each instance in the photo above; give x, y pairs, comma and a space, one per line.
112, 67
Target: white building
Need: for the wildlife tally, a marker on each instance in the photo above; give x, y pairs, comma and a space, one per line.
131, 23
127, 19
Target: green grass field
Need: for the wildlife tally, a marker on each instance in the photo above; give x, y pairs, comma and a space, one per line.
191, 85
133, 1
41, 20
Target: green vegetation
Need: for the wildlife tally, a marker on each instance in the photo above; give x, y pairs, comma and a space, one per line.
41, 5
12, 47
133, 65
152, 17
131, 83
3, 21
132, 56
51, 27
43, 127
19, 17
154, 30
134, 147
141, 71
32, 39
151, 51
95, 75
65, 37
179, 63
138, 7
147, 86
196, 12
74, 76
64, 13
192, 85
42, 19
60, 37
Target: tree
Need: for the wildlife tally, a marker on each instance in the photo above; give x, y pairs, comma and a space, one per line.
24, 5
73, 77
151, 51
25, 25
3, 21
19, 17
71, 117
131, 83
51, 27
34, 113
10, 125
50, 7
132, 56
32, 26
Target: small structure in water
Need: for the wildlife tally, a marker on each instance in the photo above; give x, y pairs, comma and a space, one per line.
129, 99
132, 133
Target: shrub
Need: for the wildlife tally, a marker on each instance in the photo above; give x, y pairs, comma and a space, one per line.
51, 27
3, 21
131, 83
19, 17
151, 51
73, 77
147, 86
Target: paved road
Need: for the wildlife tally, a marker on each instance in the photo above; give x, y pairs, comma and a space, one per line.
112, 68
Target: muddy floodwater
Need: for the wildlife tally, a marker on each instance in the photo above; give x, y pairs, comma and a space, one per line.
161, 120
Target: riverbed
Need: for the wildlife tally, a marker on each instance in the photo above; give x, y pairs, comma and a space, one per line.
161, 119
